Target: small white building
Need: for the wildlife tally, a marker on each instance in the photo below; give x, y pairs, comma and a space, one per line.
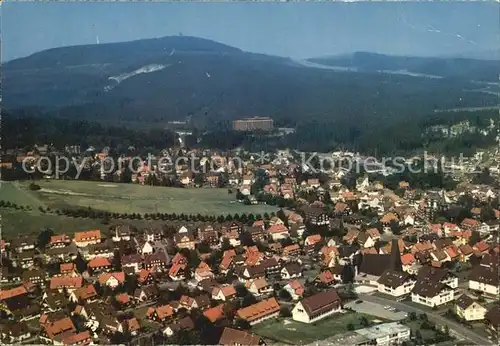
317, 307
468, 309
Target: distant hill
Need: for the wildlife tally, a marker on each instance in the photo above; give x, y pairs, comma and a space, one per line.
169, 78
449, 67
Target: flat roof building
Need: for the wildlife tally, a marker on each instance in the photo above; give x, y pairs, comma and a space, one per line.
252, 124
393, 333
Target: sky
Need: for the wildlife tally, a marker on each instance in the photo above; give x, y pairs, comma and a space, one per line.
297, 30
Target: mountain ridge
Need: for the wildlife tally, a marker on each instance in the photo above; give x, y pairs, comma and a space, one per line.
215, 82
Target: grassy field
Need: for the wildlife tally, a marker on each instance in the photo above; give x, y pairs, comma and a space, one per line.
23, 222
296, 333
19, 194
121, 198
131, 198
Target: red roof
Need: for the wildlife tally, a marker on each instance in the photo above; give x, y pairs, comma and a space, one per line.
326, 277
66, 281
482, 246
297, 287
313, 239
215, 313
470, 222
407, 259
122, 298
82, 338
278, 228
99, 262
66, 267
6, 294
83, 236
119, 276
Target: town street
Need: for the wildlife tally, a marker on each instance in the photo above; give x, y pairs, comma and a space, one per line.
454, 327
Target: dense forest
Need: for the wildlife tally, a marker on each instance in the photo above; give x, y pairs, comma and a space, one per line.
406, 136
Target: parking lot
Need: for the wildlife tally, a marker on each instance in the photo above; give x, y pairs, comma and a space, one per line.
378, 310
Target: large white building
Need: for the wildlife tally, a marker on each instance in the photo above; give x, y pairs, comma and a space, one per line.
484, 279
434, 287
432, 293
317, 307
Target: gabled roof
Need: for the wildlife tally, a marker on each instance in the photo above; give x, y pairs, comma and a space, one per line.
464, 301
104, 277
85, 292
66, 281
13, 292
77, 339
82, 236
428, 288
98, 262
326, 277
293, 268
59, 327
322, 301
485, 275
214, 314
297, 287
122, 298
393, 279
162, 312
231, 337
407, 259
259, 310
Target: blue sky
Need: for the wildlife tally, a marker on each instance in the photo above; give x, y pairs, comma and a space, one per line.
297, 30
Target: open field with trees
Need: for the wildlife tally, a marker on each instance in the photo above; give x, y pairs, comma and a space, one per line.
132, 198
70, 206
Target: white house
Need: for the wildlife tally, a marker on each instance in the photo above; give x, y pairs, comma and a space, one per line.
395, 283
468, 309
431, 293
258, 287
484, 279
147, 248
111, 279
317, 307
409, 220
278, 231
224, 293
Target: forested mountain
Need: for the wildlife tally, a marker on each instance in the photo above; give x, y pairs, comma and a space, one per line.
169, 78
152, 81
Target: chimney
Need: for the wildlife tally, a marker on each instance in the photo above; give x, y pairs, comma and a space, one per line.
396, 264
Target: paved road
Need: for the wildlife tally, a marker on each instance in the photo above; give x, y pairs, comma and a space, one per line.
454, 327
